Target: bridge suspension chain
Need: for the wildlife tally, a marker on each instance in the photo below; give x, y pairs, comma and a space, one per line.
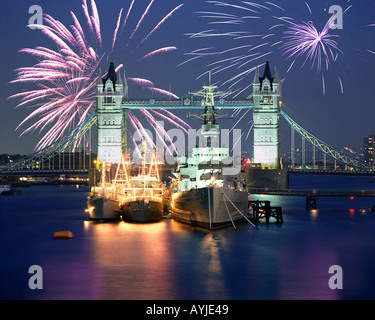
58, 146
322, 146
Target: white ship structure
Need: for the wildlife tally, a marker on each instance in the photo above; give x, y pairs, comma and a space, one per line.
142, 194
208, 191
104, 201
131, 197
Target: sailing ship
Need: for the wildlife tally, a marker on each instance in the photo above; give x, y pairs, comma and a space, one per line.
206, 192
142, 193
103, 203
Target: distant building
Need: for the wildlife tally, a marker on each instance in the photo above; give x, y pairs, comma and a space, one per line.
369, 151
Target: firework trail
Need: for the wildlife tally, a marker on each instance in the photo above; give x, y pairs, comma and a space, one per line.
253, 31
372, 26
161, 50
66, 77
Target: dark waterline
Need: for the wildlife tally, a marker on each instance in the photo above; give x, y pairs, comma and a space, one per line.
168, 260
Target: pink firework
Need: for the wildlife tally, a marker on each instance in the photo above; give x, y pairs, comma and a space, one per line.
319, 48
303, 39
249, 32
66, 77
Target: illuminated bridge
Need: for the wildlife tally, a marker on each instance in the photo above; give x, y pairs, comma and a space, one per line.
58, 147
264, 99
51, 156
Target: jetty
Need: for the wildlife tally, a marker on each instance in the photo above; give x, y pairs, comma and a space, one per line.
262, 210
313, 193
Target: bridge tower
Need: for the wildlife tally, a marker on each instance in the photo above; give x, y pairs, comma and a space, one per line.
109, 94
266, 114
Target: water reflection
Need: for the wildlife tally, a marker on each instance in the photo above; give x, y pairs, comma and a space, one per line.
133, 258
212, 247
314, 214
304, 275
169, 260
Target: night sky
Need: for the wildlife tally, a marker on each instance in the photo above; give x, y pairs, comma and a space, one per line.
338, 119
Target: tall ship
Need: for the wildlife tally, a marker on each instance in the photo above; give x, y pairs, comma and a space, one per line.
141, 193
208, 191
104, 201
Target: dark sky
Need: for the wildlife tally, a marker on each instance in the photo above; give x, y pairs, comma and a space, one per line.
336, 118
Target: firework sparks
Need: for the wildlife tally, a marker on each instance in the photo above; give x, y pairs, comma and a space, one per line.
305, 39
161, 50
252, 32
274, 32
66, 77
373, 26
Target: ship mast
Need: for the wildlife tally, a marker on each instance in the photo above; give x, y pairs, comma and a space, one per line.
144, 157
208, 94
210, 129
121, 172
103, 174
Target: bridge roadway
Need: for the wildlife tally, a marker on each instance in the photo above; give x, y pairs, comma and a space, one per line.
42, 172
184, 104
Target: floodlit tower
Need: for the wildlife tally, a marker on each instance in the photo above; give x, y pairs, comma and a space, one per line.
266, 113
109, 95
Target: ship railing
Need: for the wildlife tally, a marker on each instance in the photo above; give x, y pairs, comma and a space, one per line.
143, 197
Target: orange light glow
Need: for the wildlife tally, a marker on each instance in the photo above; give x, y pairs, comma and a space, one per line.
314, 214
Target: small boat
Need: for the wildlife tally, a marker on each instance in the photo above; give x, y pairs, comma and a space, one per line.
7, 190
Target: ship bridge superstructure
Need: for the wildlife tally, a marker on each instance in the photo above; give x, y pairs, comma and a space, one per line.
205, 164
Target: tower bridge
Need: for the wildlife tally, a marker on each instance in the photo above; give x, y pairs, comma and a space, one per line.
111, 117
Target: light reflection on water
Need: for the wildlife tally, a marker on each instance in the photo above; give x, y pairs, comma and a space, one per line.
169, 260
133, 258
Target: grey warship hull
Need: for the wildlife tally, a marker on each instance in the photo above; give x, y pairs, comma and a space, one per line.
208, 207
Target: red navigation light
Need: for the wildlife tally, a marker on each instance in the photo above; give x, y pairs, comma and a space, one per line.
247, 162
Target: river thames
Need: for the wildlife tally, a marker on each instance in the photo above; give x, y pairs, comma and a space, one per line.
171, 261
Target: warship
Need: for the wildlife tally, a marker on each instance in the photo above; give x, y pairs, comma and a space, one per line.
208, 191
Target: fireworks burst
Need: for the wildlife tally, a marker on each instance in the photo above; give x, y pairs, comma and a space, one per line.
66, 77
305, 39
318, 47
258, 30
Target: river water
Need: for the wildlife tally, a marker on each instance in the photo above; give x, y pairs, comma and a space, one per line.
171, 261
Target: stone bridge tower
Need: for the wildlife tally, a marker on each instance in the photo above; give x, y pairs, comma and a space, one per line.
110, 92
266, 114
